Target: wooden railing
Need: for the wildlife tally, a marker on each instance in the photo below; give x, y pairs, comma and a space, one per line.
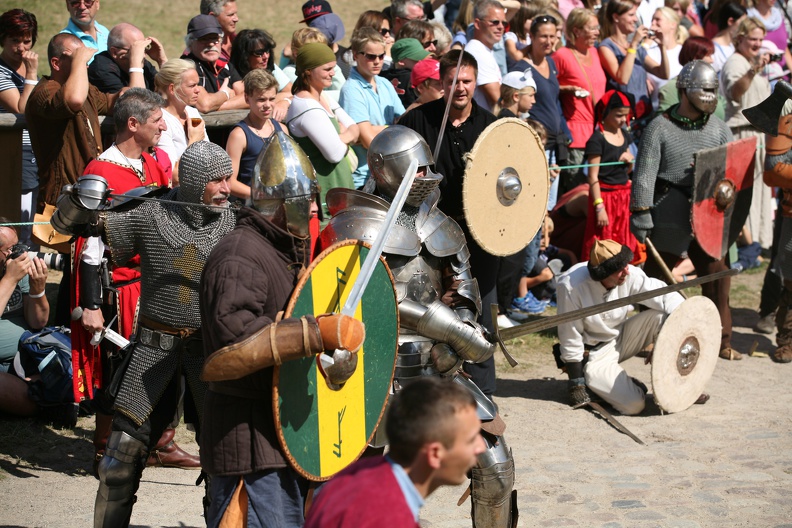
11, 126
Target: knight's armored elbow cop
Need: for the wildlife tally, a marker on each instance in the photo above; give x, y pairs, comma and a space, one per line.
79, 204
438, 321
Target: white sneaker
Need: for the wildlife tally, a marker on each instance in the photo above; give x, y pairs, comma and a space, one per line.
505, 322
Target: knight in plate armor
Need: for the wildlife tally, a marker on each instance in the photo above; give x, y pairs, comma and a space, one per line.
438, 297
173, 241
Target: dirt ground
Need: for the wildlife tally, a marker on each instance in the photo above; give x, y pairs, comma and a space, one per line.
726, 463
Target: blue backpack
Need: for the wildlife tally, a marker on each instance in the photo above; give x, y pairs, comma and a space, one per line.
48, 353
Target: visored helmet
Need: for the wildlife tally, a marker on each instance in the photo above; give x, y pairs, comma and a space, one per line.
389, 157
283, 178
699, 80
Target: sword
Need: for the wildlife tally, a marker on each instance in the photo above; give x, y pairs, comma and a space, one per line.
448, 106
596, 407
367, 269
550, 322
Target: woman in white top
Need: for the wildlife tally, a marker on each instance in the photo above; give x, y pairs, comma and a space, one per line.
665, 23
318, 124
177, 83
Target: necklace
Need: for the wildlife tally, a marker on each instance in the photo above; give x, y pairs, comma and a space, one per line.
138, 173
260, 132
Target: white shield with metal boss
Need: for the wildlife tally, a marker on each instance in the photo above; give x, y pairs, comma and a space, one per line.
506, 187
685, 354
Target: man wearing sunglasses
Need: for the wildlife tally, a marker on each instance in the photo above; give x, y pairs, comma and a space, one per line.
83, 25
489, 24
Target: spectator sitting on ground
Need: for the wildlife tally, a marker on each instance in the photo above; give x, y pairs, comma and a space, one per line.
252, 135
434, 437
225, 11
83, 25
123, 63
406, 53
252, 49
425, 81
220, 89
23, 305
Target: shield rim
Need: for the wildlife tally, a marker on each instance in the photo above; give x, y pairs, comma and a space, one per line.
689, 318
470, 198
276, 370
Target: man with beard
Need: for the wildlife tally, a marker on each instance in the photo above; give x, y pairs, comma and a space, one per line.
466, 121
247, 281
127, 164
173, 241
221, 84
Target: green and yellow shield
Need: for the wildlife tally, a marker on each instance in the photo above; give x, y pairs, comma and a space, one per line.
322, 430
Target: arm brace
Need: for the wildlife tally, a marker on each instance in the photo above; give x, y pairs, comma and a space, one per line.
272, 345
90, 286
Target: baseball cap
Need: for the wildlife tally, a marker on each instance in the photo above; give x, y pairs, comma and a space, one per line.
314, 8
428, 68
331, 25
519, 80
408, 48
769, 46
203, 25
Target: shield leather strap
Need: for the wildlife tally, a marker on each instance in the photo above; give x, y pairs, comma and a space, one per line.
685, 354
722, 190
322, 430
506, 187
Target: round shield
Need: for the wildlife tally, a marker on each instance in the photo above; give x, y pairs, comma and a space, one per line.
685, 354
506, 178
322, 430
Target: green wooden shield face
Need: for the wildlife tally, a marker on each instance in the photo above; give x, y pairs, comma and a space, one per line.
323, 430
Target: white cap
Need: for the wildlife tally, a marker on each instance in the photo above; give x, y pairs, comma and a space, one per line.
770, 47
519, 80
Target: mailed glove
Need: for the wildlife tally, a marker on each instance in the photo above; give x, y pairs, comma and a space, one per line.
577, 384
641, 225
341, 332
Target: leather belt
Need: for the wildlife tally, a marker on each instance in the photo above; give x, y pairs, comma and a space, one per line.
157, 339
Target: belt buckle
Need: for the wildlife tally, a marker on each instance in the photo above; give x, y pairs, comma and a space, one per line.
146, 336
166, 342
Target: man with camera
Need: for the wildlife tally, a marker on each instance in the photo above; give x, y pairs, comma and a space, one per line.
23, 304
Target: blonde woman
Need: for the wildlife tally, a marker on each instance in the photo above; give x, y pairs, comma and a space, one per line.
666, 23
744, 87
177, 83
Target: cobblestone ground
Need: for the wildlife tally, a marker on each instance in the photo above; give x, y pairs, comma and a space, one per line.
723, 464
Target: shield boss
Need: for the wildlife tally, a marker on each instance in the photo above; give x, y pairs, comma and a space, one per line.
685, 354
506, 187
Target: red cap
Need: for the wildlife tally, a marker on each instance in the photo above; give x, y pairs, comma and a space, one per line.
428, 68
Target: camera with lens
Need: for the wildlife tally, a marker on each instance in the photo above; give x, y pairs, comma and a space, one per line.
53, 261
651, 33
775, 57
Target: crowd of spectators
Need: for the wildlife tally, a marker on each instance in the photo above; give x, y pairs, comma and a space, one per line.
588, 76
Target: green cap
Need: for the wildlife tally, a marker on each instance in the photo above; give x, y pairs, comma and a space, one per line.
313, 55
408, 48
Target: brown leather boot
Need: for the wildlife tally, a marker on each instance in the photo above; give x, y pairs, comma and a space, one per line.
104, 423
168, 454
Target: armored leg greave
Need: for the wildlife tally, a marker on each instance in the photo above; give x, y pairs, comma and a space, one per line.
494, 504
119, 476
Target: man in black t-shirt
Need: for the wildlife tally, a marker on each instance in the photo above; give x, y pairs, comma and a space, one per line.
466, 121
114, 69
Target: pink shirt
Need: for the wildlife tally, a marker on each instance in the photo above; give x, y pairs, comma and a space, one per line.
579, 112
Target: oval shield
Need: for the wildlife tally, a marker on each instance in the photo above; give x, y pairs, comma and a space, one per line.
322, 430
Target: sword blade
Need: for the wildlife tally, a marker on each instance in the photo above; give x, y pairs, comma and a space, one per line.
549, 322
367, 269
613, 421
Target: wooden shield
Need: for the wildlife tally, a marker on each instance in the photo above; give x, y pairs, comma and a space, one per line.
503, 216
726, 172
685, 354
322, 430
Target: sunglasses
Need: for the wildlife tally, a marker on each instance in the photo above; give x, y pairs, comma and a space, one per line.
260, 52
494, 23
385, 32
87, 3
373, 56
429, 43
543, 19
